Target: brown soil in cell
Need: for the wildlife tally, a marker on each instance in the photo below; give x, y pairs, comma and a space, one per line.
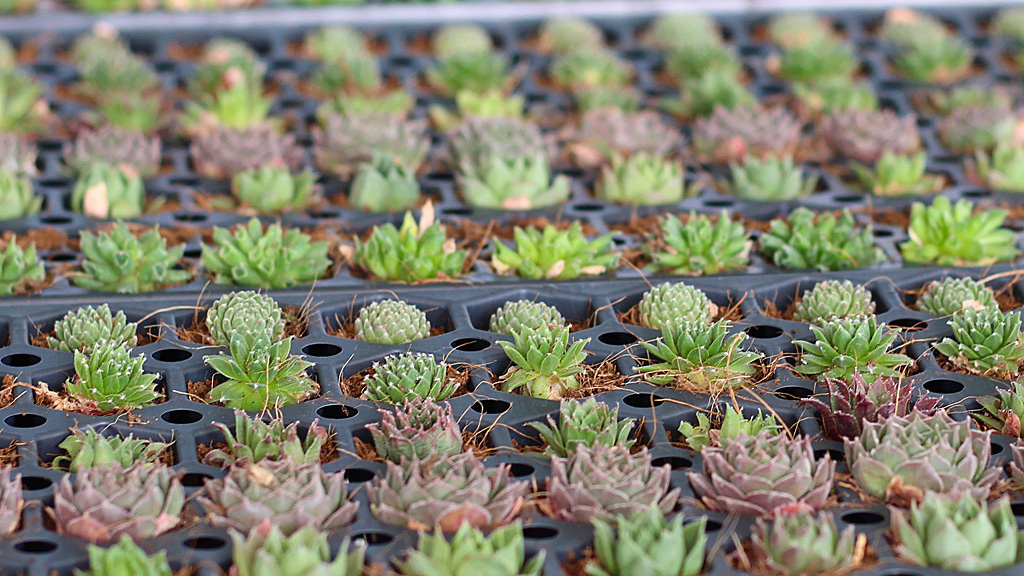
355, 385
480, 233
328, 452
745, 558
11, 390
731, 313
185, 53
947, 364
42, 238
296, 324
577, 565
769, 309
9, 455
1013, 211
595, 379
899, 218
61, 400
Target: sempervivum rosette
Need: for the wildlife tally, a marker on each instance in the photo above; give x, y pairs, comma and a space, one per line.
446, 492
417, 429
288, 494
102, 504
756, 475
607, 483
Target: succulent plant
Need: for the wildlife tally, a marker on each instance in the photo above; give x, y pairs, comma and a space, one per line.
396, 103
416, 430
790, 29
473, 71
22, 108
942, 101
852, 402
239, 105
959, 533
17, 154
554, 254
902, 457
86, 327
261, 373
88, 448
544, 362
692, 59
826, 242
115, 147
284, 494
1016, 468
569, 34
1003, 411
903, 26
254, 441
446, 492
949, 234
716, 88
582, 69
670, 304
454, 40
898, 175
698, 246
223, 152
1003, 169
105, 191
846, 346
733, 424
604, 133
668, 30
225, 62
952, 295
354, 72
1009, 23
470, 552
381, 185
117, 74
522, 183
102, 504
816, 61
117, 261
625, 98
607, 483
409, 376
273, 189
513, 316
985, 341
759, 475
796, 542
733, 135
243, 311
975, 128
479, 140
649, 544
391, 322
271, 258
641, 179
866, 135
19, 267
835, 95
938, 59
11, 501
492, 103
331, 43
698, 355
125, 557
108, 378
771, 179
267, 550
832, 299
418, 251
17, 197
344, 141
590, 423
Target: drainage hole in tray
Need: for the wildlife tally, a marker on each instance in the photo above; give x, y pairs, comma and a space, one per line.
171, 355
676, 462
335, 412
943, 386
795, 391
181, 416
373, 538
470, 344
909, 324
21, 360
617, 338
25, 420
519, 470
540, 532
321, 350
862, 517
491, 406
836, 455
195, 479
764, 332
36, 546
358, 475
205, 543
643, 400
35, 483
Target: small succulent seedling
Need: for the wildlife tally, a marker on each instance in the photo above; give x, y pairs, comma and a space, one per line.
105, 191
953, 295
583, 69
670, 304
554, 254
590, 423
698, 246
382, 185
569, 34
836, 95
511, 317
355, 72
222, 153
18, 155
700, 356
896, 175
975, 128
791, 29
834, 299
418, 251
733, 423
698, 57
20, 267
270, 258
985, 341
815, 61
245, 311
716, 88
944, 100
520, 183
641, 179
225, 61
797, 542
671, 29
17, 198
22, 109
1003, 169
254, 441
852, 402
117, 261
391, 322
115, 147
454, 40
418, 429
733, 135
90, 449
332, 43
84, 328
125, 557
502, 552
396, 103
948, 234
260, 372
825, 242
109, 378
409, 376
342, 142
267, 550
649, 544
273, 189
544, 362
847, 346
606, 133
237, 106
938, 59
489, 104
1003, 411
771, 179
471, 71
866, 135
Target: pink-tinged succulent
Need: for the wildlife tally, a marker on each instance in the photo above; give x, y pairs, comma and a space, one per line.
1017, 465
445, 493
288, 494
102, 504
852, 403
901, 458
607, 483
224, 152
11, 501
416, 429
757, 475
